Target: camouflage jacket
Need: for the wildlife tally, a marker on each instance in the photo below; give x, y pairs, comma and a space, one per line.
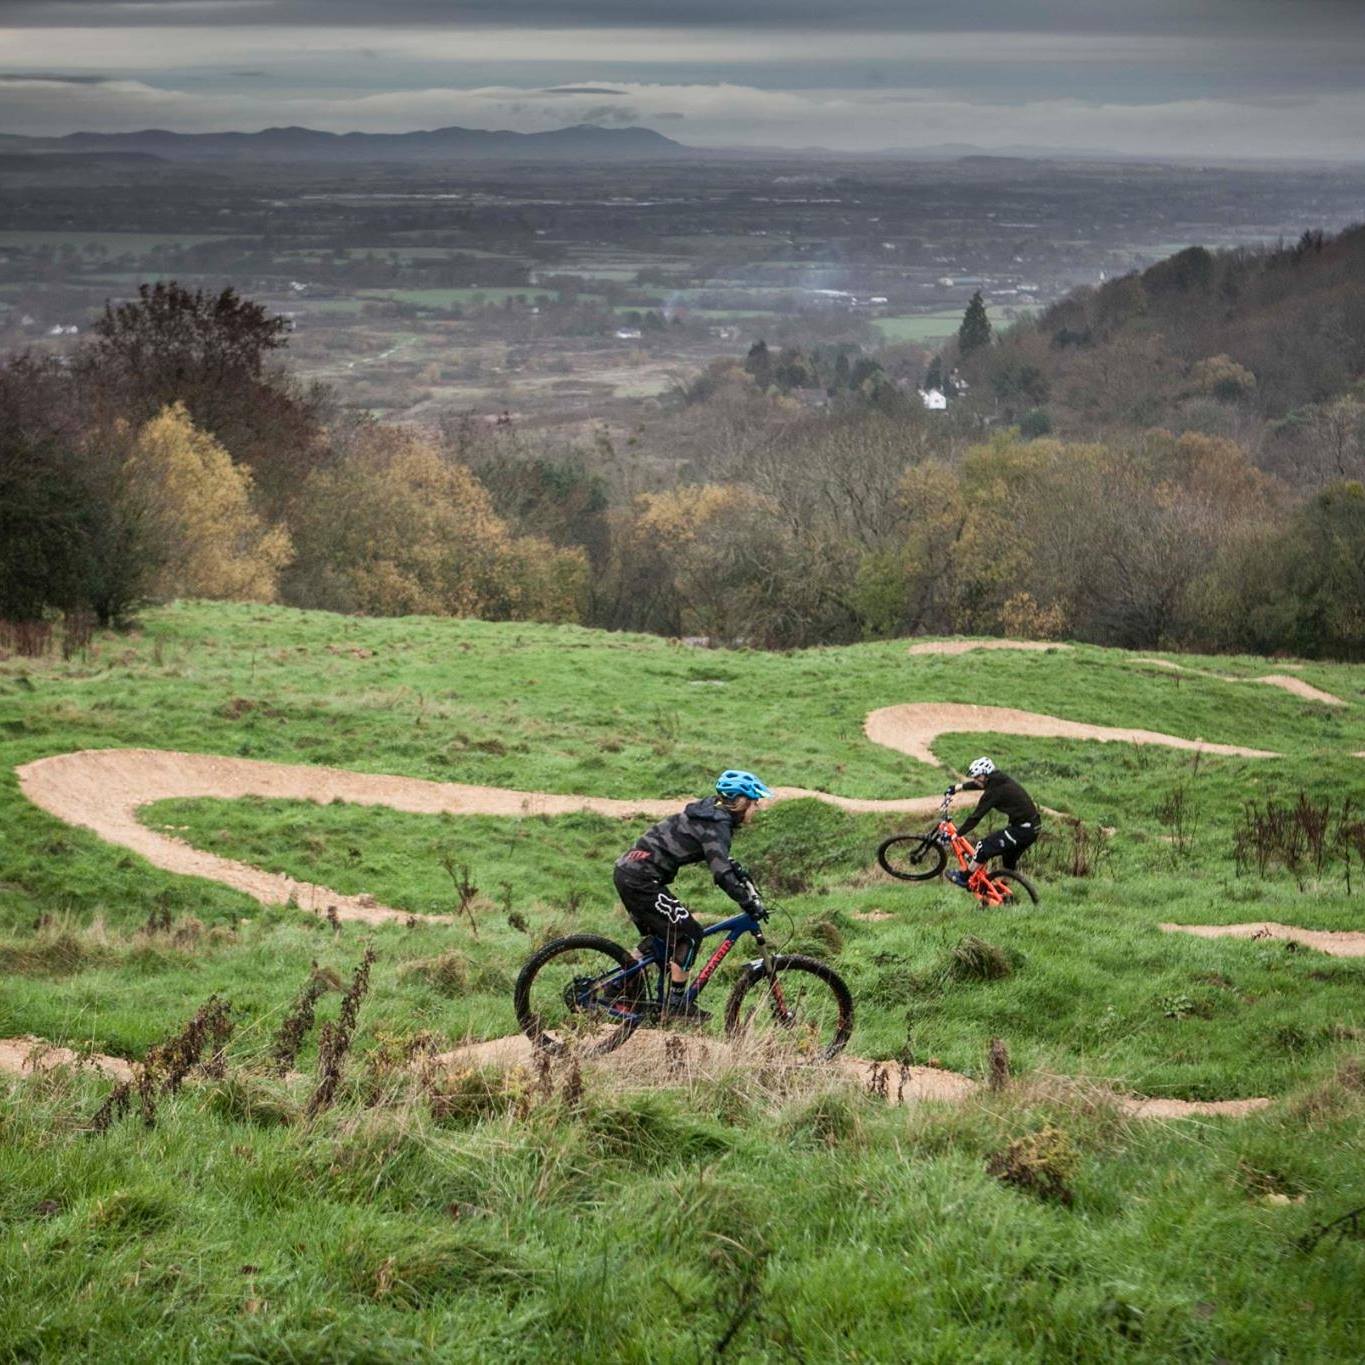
701, 832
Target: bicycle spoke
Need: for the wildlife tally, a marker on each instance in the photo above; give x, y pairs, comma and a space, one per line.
797, 1011
577, 995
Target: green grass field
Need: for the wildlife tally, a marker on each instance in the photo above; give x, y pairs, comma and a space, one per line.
741, 1216
933, 326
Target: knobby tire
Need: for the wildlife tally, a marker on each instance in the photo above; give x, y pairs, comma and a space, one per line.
791, 968
925, 846
533, 1026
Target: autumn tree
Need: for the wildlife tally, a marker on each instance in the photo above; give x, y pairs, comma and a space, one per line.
209, 352
192, 507
1312, 582
713, 560
394, 528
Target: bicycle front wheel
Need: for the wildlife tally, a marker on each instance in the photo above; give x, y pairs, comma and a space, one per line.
569, 996
912, 857
802, 1008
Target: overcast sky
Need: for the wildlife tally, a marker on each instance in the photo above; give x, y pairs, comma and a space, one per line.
1272, 78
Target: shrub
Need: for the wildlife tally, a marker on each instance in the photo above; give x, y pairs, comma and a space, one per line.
1042, 1163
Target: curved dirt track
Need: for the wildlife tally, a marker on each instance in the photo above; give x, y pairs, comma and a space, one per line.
1334, 942
912, 728
646, 1061
1284, 681
102, 789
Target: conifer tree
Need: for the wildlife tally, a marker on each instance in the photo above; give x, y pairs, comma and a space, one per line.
975, 331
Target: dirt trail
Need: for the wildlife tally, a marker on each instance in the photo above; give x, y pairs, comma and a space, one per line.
26, 1055
645, 1061
913, 727
1336, 943
966, 646
1282, 680
102, 789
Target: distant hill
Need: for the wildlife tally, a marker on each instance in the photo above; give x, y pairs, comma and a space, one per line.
1204, 339
582, 142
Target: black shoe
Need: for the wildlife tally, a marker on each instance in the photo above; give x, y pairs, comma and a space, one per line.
683, 1011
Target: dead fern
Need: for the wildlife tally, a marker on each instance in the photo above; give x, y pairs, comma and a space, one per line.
298, 1023
334, 1041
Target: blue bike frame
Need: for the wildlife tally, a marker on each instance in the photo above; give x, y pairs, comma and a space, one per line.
734, 929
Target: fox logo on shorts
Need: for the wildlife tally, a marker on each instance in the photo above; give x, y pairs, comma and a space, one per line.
672, 909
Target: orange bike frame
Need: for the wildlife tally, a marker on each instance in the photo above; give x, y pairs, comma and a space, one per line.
980, 883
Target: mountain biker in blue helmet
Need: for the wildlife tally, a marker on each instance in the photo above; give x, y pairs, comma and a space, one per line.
701, 832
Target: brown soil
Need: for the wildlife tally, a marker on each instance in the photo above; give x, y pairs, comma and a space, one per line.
871, 916
1282, 680
1300, 688
23, 1056
1336, 943
643, 1060
966, 646
646, 1061
912, 728
1140, 1108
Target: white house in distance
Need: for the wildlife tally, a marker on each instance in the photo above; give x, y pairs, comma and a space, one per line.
934, 400
628, 334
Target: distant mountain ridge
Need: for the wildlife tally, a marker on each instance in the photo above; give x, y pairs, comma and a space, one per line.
581, 142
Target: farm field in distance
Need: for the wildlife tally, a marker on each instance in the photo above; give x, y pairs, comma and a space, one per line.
576, 298
465, 1209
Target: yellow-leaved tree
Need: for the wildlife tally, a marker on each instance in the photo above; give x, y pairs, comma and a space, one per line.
192, 508
396, 528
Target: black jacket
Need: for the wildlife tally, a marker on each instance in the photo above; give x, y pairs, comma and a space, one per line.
999, 791
700, 833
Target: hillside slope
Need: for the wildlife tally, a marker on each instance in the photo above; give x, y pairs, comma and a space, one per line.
1202, 340
693, 1204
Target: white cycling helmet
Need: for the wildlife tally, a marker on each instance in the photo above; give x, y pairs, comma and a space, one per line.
981, 767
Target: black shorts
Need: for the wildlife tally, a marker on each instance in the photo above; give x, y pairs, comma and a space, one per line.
1007, 844
658, 913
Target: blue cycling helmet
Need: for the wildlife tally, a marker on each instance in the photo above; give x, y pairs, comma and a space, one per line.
733, 782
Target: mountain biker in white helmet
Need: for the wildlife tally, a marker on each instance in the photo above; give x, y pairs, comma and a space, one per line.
999, 792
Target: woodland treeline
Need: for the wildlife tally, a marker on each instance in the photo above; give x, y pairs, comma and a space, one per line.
1174, 460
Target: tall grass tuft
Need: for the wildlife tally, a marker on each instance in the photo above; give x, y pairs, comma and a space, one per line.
973, 959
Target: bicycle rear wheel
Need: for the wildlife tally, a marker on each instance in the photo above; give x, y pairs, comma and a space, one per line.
804, 1008
1021, 889
565, 1000
912, 857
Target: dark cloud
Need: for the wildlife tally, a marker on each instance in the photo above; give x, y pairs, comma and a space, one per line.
51, 78
582, 90
1294, 17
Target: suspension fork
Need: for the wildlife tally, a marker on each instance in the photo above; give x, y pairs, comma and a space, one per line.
765, 952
